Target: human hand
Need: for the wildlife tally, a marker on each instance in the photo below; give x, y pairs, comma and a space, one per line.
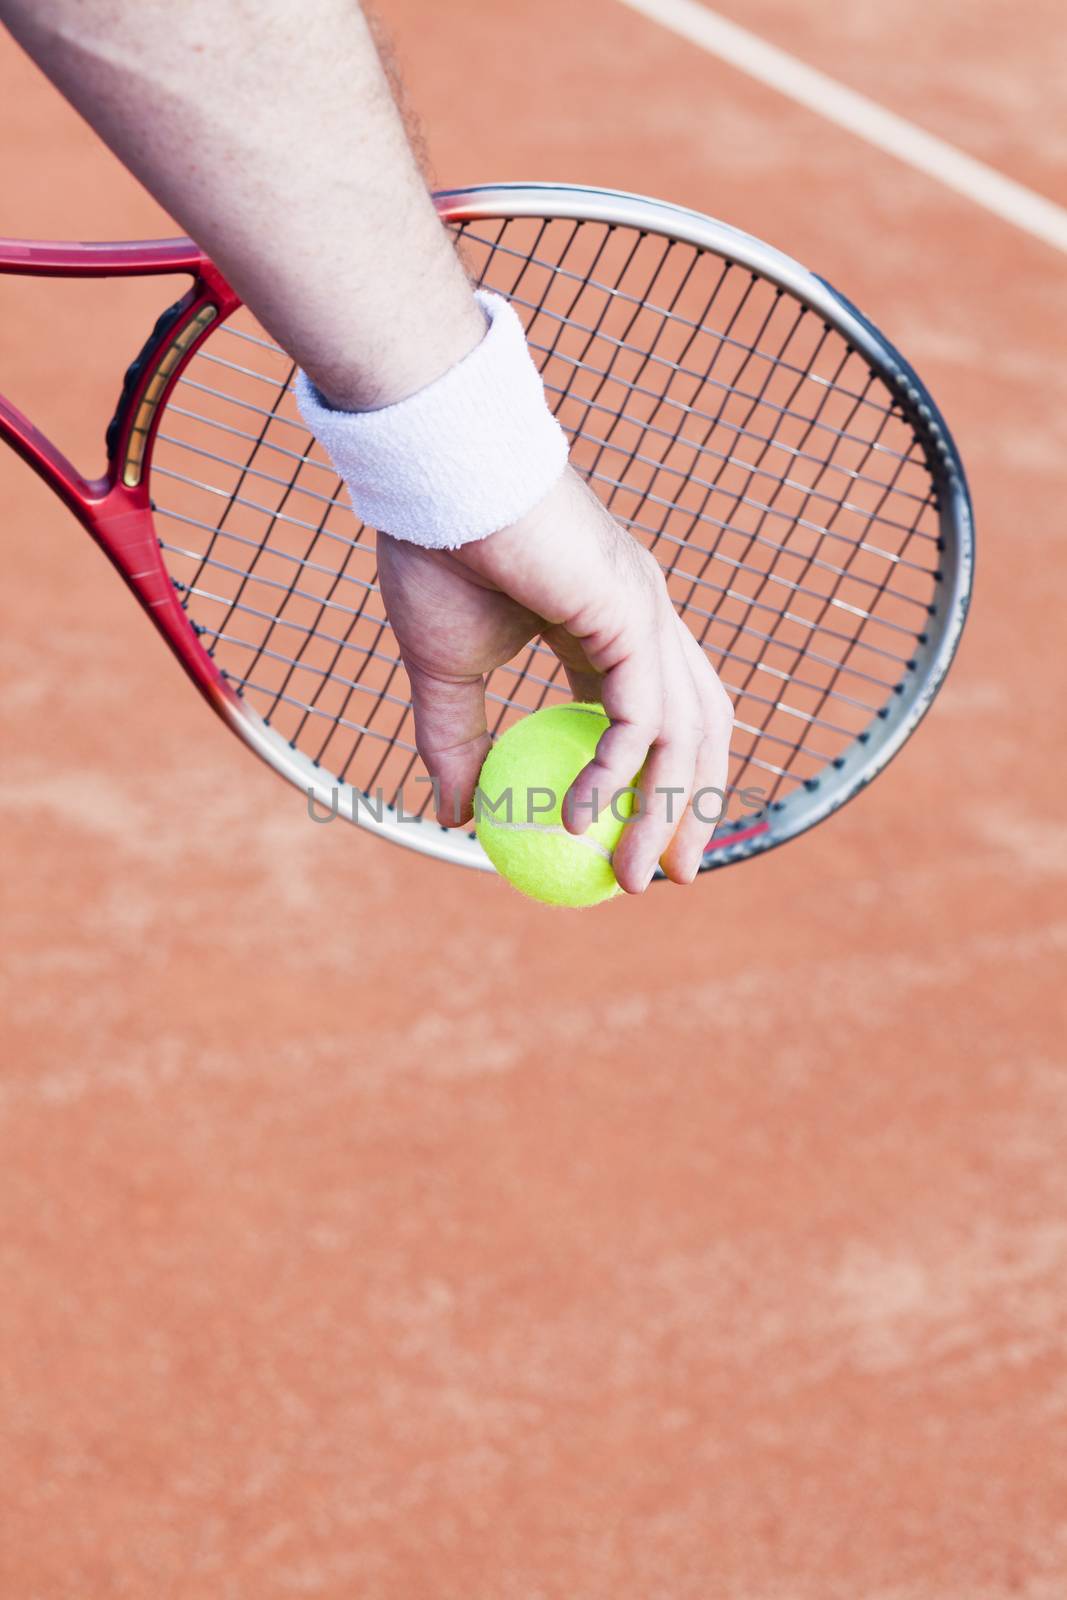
567, 571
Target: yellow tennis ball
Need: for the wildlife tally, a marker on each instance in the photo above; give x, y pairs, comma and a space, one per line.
518, 808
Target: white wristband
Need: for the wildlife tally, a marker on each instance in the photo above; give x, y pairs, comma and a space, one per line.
467, 455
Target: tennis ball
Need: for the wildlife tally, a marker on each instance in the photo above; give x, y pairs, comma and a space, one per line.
518, 808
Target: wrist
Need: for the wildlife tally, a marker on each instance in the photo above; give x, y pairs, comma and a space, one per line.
418, 352
467, 455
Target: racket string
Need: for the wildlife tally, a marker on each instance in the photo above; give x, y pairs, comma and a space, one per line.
595, 439
367, 585
278, 516
323, 465
734, 433
770, 576
621, 295
540, 650
617, 347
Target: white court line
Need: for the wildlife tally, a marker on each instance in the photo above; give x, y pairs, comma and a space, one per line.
1002, 196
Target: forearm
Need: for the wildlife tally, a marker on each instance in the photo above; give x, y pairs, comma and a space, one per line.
268, 130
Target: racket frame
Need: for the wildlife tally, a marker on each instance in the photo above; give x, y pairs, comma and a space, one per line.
116, 508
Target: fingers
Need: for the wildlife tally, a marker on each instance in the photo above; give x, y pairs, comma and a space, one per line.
584, 686
671, 723
632, 697
707, 801
584, 682
667, 777
452, 738
624, 649
450, 632
664, 789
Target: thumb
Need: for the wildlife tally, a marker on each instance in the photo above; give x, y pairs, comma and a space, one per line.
451, 737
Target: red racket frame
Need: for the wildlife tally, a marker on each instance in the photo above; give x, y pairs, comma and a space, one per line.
119, 515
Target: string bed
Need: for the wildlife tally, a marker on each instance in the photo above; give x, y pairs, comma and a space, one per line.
735, 433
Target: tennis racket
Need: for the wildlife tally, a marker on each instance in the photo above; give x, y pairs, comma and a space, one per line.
783, 462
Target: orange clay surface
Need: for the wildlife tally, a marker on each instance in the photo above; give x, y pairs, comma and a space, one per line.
368, 1233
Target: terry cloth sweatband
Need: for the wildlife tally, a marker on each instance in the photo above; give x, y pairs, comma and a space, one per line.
467, 455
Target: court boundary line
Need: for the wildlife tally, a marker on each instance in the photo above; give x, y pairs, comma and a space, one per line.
833, 101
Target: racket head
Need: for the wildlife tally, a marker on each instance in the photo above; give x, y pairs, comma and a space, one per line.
782, 459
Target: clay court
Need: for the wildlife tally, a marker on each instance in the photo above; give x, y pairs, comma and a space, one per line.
368, 1231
